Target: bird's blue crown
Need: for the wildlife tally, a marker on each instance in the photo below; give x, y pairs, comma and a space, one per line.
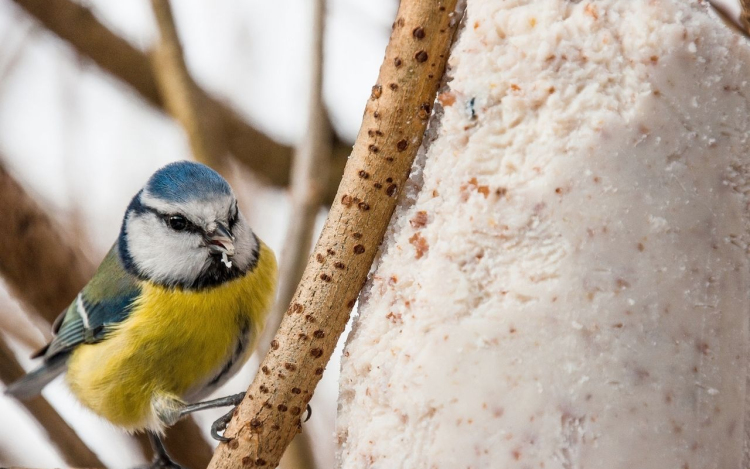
183, 181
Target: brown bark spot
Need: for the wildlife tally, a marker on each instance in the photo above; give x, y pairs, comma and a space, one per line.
377, 91
377, 185
263, 388
397, 62
319, 371
297, 308
501, 191
393, 86
316, 352
290, 366
373, 148
359, 249
389, 180
402, 144
233, 444
247, 461
325, 277
350, 304
255, 422
346, 200
320, 258
357, 235
331, 252
319, 334
296, 411
339, 265
391, 190
265, 370
421, 56
260, 462
364, 206
296, 391
275, 344
282, 408
418, 32
364, 174
376, 115
424, 111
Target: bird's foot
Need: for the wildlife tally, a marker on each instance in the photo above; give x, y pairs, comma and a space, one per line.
220, 425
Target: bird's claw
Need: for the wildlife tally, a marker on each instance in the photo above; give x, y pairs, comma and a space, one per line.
220, 425
309, 413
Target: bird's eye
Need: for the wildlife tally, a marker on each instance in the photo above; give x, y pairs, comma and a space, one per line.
177, 222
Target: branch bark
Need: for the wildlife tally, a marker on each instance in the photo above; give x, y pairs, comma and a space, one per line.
73, 450
78, 26
45, 270
395, 119
180, 92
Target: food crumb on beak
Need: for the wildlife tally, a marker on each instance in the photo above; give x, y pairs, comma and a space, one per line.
226, 260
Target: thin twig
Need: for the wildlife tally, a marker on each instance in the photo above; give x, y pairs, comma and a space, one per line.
180, 92
71, 447
306, 191
78, 26
391, 133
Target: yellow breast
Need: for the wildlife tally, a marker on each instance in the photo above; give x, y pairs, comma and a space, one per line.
173, 341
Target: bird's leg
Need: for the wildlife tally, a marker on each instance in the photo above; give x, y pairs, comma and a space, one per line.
221, 423
161, 457
233, 400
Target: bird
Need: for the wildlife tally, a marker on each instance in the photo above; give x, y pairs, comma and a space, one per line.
172, 312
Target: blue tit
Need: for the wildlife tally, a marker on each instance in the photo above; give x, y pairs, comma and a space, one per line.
173, 311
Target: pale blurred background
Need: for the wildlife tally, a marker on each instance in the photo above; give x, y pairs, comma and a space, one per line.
82, 142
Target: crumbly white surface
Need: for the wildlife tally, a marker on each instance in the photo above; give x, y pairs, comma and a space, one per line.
568, 287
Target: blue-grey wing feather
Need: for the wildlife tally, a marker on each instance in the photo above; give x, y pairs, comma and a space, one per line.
105, 301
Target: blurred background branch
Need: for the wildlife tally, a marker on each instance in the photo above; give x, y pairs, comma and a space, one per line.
180, 92
306, 191
78, 26
73, 450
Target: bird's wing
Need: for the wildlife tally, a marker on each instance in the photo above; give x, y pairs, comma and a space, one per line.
104, 302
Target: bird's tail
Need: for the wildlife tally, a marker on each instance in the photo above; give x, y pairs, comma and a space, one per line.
32, 384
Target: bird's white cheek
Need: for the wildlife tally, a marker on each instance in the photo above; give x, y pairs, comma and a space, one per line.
165, 255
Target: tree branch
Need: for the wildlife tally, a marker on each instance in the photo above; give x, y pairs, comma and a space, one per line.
71, 448
35, 252
45, 270
391, 133
180, 92
78, 26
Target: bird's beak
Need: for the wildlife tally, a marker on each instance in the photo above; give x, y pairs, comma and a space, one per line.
220, 240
